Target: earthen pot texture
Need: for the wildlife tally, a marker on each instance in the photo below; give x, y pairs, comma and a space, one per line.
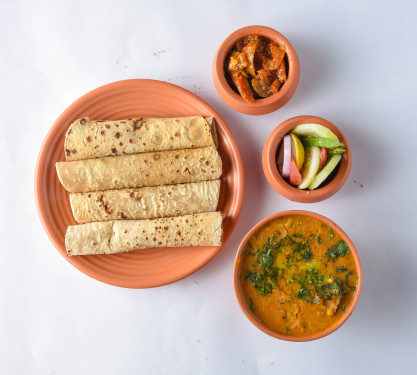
260, 106
241, 299
269, 157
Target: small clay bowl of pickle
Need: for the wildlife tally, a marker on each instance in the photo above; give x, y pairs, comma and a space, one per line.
256, 70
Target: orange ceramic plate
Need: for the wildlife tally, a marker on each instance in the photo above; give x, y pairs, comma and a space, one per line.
127, 99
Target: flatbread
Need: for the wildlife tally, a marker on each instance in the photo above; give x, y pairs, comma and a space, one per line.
147, 169
110, 237
146, 202
86, 139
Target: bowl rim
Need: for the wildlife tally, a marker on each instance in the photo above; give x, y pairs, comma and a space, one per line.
235, 100
261, 326
283, 187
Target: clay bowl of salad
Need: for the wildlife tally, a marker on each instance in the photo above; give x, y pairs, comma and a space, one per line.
306, 159
256, 70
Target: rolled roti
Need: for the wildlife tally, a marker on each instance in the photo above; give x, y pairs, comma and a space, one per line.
87, 139
146, 203
110, 237
147, 169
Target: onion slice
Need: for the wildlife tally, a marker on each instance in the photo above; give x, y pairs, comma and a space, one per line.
286, 166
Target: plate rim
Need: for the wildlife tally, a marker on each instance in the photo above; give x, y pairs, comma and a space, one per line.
83, 99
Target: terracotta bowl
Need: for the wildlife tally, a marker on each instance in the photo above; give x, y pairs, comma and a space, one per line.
241, 299
283, 187
260, 106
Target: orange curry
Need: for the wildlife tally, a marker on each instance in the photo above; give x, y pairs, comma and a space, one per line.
297, 275
256, 67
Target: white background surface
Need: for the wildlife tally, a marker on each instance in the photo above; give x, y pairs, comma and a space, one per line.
358, 70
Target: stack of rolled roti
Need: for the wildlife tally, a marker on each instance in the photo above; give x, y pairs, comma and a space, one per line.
142, 183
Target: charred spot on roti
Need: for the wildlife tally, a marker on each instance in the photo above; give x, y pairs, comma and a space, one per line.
103, 132
67, 151
74, 151
187, 170
88, 139
156, 156
117, 135
177, 156
69, 131
131, 194
83, 121
113, 150
138, 124
107, 126
130, 140
206, 162
120, 143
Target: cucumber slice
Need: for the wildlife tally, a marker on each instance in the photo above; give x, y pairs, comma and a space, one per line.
337, 151
314, 130
320, 142
325, 172
310, 166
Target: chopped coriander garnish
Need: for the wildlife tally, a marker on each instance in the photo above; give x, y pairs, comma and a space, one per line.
250, 304
338, 250
331, 234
